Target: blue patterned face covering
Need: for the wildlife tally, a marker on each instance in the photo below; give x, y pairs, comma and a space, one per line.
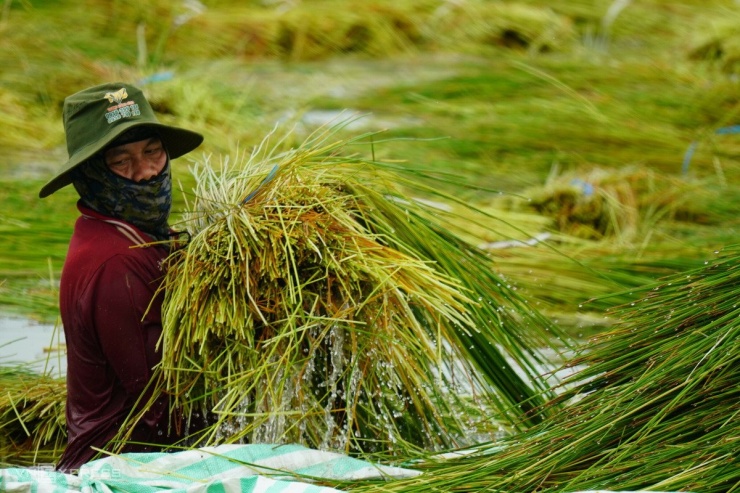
145, 204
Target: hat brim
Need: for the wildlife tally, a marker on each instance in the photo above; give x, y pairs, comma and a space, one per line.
177, 141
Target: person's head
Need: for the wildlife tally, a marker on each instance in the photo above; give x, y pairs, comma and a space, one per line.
119, 154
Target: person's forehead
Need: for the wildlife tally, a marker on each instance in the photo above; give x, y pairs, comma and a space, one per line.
131, 146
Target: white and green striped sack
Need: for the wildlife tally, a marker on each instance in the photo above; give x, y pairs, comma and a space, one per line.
258, 468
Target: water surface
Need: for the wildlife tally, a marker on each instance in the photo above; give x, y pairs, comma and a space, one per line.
24, 341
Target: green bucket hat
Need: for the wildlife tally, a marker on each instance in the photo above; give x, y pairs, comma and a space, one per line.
95, 117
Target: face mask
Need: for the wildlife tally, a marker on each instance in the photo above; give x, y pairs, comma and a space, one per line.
145, 204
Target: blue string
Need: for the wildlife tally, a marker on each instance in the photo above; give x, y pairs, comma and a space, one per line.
687, 157
732, 129
586, 188
269, 177
158, 77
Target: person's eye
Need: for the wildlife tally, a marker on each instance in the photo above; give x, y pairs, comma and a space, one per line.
153, 151
119, 163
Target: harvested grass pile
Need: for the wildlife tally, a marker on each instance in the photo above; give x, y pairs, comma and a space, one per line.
32, 423
503, 24
619, 204
302, 31
655, 407
317, 304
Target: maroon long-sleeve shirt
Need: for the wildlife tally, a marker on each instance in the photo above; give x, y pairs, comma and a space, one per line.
111, 314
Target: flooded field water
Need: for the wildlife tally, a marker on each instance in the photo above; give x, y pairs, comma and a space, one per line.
23, 341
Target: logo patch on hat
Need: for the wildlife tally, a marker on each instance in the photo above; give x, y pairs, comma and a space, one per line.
117, 97
120, 109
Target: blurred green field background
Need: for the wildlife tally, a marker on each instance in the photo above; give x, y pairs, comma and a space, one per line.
569, 121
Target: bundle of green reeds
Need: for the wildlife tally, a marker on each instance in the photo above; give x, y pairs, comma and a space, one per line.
317, 303
654, 407
32, 423
621, 204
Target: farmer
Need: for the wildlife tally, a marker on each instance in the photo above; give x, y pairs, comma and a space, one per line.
119, 163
